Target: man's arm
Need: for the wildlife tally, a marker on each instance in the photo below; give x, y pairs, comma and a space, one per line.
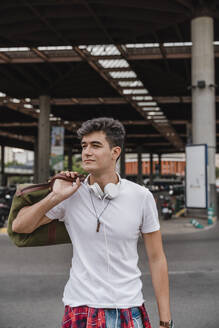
29, 218
159, 272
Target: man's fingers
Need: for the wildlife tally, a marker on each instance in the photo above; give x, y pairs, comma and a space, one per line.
69, 173
65, 172
78, 182
72, 174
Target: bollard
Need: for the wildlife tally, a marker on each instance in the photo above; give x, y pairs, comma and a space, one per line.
210, 214
196, 224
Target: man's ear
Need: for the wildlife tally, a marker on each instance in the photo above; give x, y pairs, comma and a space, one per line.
116, 151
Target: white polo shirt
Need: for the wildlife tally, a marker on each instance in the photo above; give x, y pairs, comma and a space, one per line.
104, 271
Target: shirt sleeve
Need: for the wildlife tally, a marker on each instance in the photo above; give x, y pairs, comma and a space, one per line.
57, 212
150, 220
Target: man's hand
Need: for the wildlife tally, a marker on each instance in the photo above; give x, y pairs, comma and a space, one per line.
63, 189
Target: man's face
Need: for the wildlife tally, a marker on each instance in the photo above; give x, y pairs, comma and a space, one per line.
97, 156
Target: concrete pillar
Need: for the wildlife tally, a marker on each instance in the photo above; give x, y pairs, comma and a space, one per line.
3, 176
70, 159
151, 168
189, 133
122, 163
139, 176
159, 163
203, 94
35, 173
44, 139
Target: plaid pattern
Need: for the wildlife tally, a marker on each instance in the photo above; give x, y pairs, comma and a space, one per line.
88, 317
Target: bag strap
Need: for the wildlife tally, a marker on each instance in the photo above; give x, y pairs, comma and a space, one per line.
49, 184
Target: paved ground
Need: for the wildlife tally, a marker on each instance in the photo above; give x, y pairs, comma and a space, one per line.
32, 279
184, 225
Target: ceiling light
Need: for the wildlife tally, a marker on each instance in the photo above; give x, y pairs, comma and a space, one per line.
130, 83
142, 98
142, 45
28, 106
160, 120
107, 63
155, 113
103, 50
15, 49
123, 75
134, 91
55, 48
151, 103
15, 100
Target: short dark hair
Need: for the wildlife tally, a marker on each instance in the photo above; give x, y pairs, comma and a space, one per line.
114, 130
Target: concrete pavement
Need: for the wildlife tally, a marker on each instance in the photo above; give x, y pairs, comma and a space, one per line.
32, 280
181, 225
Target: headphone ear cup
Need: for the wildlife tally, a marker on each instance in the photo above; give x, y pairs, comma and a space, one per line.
112, 190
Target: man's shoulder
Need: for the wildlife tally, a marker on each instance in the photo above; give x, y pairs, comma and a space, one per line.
135, 187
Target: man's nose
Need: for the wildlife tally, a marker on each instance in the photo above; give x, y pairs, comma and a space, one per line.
87, 151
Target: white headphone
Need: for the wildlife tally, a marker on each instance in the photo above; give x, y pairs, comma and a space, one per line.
111, 190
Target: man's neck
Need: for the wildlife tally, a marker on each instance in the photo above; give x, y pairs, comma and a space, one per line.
104, 179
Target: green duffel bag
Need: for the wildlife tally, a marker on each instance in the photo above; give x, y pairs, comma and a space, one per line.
52, 233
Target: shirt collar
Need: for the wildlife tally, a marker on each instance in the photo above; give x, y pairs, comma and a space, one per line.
86, 181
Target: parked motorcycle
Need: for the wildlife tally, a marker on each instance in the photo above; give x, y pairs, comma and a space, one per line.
5, 204
166, 208
167, 212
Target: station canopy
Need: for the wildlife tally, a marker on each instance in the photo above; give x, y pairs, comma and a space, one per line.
130, 60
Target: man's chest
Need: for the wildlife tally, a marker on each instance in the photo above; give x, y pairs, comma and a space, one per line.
119, 219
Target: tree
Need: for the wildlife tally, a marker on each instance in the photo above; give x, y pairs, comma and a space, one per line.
76, 164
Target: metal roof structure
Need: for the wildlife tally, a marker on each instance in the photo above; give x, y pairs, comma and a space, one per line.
130, 60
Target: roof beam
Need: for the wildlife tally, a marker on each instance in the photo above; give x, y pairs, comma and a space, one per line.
164, 129
40, 54
153, 53
161, 126
162, 51
179, 34
19, 107
18, 124
5, 58
83, 101
148, 5
186, 4
57, 33
116, 100
45, 58
75, 124
17, 136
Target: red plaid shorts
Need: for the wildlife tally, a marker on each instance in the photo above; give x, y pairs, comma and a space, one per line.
88, 317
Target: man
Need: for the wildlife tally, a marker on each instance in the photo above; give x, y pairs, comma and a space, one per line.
104, 217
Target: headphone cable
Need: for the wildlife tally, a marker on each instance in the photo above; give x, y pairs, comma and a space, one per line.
98, 217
